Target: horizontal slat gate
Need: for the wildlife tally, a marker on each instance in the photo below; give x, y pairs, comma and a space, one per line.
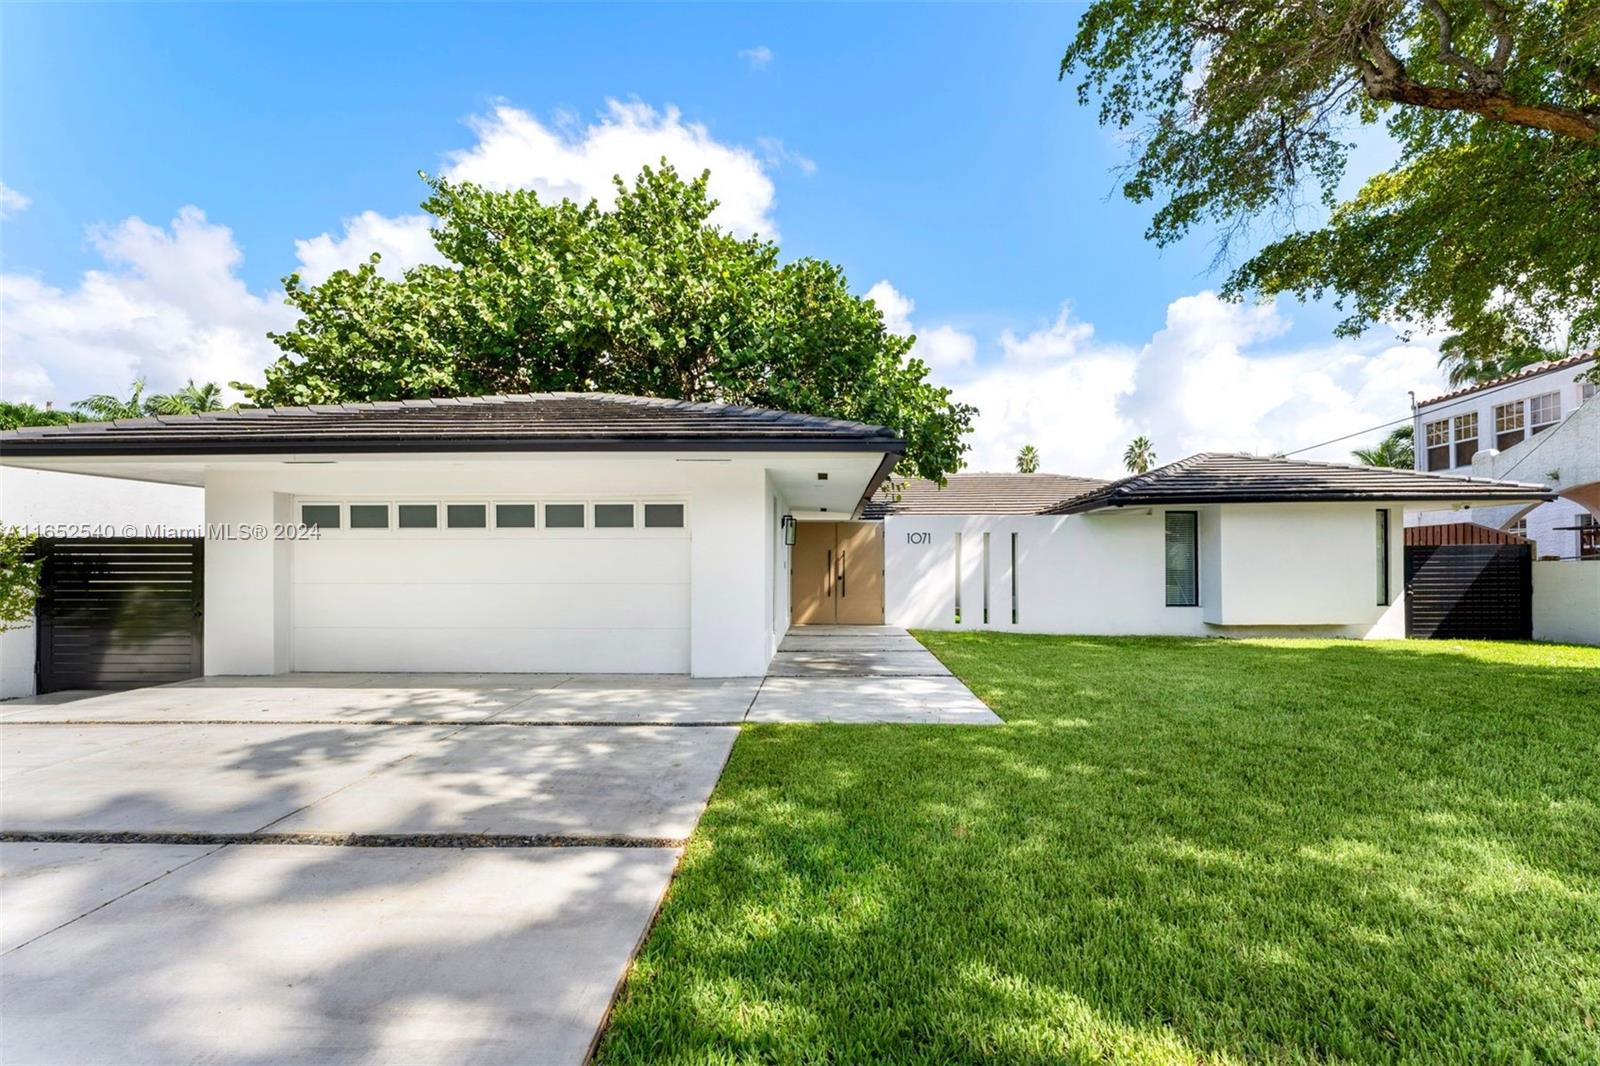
117, 613
1469, 591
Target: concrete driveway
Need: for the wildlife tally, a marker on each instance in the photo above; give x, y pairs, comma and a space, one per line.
375, 867
164, 896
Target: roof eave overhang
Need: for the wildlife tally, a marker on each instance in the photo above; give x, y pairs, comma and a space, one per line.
878, 477
266, 449
1491, 499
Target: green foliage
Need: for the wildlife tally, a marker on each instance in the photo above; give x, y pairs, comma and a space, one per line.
17, 415
189, 400
1028, 460
192, 399
1488, 224
1174, 851
19, 578
647, 298
1393, 451
1140, 455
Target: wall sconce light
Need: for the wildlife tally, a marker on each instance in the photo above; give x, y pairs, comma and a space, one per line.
788, 529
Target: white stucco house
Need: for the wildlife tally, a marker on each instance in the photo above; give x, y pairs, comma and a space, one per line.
600, 533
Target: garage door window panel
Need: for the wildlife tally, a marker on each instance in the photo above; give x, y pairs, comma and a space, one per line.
663, 516
466, 515
516, 516
564, 516
613, 516
369, 516
419, 516
320, 515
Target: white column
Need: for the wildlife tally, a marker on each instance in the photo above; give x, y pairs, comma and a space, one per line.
247, 592
728, 628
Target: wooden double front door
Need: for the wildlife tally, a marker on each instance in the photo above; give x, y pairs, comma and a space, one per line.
836, 574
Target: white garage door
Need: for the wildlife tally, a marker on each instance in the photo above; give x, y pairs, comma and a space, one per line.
492, 585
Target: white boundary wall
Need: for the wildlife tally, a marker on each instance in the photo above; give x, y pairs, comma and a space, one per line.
1286, 569
35, 498
1566, 601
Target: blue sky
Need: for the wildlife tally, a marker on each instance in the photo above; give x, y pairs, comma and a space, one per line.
929, 150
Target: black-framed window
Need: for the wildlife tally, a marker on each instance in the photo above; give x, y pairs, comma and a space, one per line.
1183, 558
1383, 557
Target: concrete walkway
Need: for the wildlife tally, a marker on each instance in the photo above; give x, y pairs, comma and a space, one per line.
861, 675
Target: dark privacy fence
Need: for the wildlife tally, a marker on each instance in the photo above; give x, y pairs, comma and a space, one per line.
117, 613
1469, 591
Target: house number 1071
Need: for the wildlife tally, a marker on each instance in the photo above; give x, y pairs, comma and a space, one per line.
918, 538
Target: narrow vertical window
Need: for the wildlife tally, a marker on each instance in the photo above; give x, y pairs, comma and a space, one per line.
1183, 559
1383, 558
1013, 578
958, 579
985, 578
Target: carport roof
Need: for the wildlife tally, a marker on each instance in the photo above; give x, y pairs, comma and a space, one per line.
563, 421
1213, 477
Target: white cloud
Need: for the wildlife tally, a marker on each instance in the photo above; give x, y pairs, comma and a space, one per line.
1213, 378
403, 242
777, 155
757, 58
169, 306
517, 151
943, 348
12, 201
564, 158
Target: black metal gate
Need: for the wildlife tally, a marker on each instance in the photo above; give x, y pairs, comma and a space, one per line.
1469, 591
116, 613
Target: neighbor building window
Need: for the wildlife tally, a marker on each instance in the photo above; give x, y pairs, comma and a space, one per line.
1183, 559
319, 515
1383, 558
466, 515
369, 516
1437, 436
1589, 389
613, 516
668, 515
515, 515
1544, 411
563, 516
419, 515
1508, 424
1466, 438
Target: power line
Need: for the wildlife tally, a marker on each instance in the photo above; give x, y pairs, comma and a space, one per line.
1373, 429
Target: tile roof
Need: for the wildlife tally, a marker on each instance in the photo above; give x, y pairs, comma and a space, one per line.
1214, 477
563, 421
977, 493
1526, 372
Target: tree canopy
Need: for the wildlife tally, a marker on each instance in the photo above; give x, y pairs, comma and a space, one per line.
1488, 224
648, 297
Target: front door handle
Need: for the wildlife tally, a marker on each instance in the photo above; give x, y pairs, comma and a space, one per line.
841, 573
827, 583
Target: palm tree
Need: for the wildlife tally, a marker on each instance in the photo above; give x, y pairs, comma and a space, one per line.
105, 407
1393, 451
1140, 456
192, 399
1028, 460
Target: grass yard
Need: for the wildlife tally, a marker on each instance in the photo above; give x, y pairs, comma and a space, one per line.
1175, 851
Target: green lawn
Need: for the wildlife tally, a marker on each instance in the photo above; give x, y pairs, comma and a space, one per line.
1175, 851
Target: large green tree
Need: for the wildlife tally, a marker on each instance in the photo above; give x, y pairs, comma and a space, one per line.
1241, 113
648, 297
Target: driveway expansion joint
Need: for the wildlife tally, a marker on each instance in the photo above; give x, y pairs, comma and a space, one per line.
346, 840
